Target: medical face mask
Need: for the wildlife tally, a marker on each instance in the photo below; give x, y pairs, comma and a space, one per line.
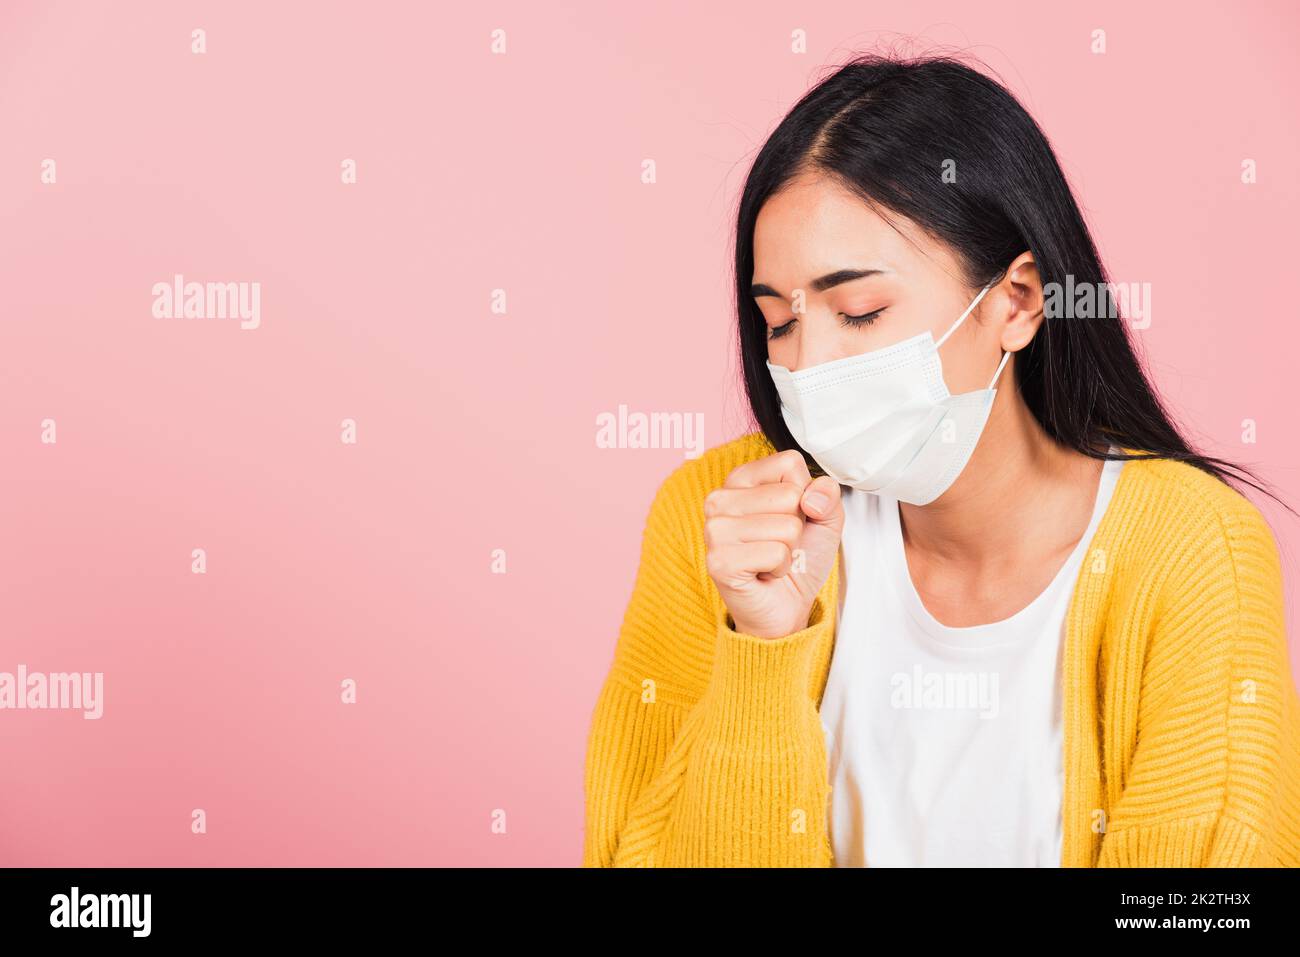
884, 421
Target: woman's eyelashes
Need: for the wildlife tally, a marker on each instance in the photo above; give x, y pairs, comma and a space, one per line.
866, 319
776, 332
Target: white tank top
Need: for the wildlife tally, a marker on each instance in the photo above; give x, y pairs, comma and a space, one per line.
944, 744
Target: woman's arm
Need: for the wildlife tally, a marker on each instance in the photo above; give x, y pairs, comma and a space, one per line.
1213, 778
706, 748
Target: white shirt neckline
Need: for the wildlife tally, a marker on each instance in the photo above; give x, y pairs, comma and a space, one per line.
986, 635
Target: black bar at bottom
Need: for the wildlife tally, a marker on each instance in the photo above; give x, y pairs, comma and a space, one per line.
90, 906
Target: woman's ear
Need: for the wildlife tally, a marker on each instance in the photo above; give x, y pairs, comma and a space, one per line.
1024, 289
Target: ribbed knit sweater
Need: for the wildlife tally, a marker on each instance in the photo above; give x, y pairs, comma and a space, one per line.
1181, 720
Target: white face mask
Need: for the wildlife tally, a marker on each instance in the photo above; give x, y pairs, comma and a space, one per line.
884, 421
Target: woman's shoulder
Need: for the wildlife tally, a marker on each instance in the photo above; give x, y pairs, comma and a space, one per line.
1177, 501
1203, 538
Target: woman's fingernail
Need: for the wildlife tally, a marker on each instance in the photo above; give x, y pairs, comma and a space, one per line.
817, 502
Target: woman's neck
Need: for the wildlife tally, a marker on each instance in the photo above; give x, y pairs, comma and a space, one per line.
1021, 497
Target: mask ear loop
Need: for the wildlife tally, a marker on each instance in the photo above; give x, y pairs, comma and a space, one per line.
953, 327
1001, 365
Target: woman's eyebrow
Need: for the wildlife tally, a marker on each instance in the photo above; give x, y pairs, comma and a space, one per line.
821, 284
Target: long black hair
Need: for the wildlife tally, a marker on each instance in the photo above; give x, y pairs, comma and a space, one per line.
884, 127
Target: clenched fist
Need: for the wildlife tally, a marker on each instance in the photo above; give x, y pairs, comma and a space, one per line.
772, 534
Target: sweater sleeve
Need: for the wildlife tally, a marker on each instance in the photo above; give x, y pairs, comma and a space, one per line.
1215, 771
706, 747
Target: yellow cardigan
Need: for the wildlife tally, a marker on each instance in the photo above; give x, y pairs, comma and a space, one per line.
1181, 719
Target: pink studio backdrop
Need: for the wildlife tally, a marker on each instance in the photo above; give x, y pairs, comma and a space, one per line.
475, 430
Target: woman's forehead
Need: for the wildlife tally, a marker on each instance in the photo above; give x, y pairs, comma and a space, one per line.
811, 229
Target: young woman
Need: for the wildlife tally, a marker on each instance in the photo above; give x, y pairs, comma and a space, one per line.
967, 597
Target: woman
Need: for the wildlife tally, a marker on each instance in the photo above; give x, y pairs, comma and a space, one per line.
967, 597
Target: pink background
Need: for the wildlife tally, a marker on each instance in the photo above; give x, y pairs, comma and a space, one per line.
475, 431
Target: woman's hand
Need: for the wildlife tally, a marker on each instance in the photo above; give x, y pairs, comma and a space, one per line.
772, 534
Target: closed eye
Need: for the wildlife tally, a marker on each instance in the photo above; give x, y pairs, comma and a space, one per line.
863, 320
776, 332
